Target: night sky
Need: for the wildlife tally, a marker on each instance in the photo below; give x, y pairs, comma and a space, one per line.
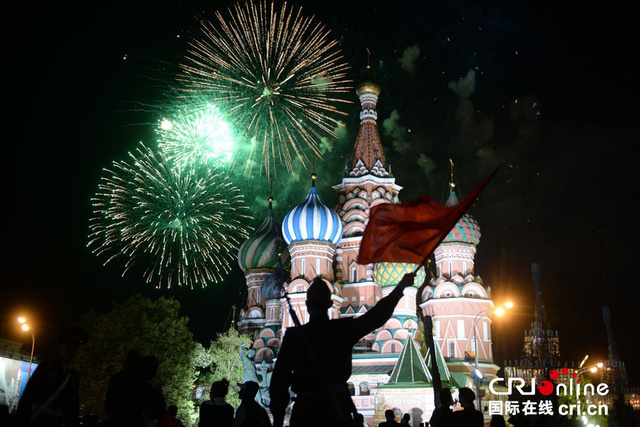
546, 90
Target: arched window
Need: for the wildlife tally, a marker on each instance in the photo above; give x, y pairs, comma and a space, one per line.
364, 389
452, 349
354, 274
352, 388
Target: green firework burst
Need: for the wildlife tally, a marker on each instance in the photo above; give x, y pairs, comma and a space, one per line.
181, 225
193, 136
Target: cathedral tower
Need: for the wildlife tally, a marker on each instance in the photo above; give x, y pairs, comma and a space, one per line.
457, 300
311, 231
258, 258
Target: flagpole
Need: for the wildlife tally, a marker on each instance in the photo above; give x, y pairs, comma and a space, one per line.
428, 334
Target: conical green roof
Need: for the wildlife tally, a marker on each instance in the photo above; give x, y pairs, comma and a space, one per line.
445, 375
410, 367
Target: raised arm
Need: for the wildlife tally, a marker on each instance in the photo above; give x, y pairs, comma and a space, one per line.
382, 311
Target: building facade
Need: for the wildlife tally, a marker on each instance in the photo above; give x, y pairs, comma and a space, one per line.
325, 242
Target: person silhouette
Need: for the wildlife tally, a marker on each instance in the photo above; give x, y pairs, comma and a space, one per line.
51, 397
172, 410
390, 416
250, 413
322, 397
498, 421
442, 416
154, 402
359, 420
123, 401
406, 418
216, 412
468, 416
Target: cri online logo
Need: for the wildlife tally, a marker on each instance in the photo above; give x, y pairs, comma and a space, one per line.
546, 387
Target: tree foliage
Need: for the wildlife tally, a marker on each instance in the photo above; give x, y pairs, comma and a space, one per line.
152, 328
226, 362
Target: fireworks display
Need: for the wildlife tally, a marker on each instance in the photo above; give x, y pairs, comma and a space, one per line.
277, 75
181, 224
197, 136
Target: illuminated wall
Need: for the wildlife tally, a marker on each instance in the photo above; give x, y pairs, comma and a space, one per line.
13, 380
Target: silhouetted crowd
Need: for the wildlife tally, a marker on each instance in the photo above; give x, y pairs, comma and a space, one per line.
322, 399
133, 399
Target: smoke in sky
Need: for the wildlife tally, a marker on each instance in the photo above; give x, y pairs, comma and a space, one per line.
409, 57
426, 164
465, 86
398, 133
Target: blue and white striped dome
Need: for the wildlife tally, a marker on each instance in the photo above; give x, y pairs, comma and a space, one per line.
312, 220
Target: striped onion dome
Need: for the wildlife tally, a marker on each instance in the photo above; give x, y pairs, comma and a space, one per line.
273, 285
466, 230
262, 250
312, 220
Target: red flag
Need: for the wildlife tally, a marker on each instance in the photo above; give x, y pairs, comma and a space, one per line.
411, 231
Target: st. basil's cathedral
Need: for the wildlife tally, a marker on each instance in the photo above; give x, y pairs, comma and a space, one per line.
390, 367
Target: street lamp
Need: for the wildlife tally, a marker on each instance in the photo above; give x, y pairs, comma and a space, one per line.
498, 311
25, 327
593, 369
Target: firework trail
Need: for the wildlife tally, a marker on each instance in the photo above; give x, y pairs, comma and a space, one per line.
182, 225
276, 74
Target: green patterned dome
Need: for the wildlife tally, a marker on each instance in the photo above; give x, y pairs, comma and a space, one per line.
262, 249
466, 230
390, 273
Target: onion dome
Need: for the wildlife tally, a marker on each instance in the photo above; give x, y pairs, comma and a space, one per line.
368, 85
312, 220
273, 285
466, 230
262, 250
390, 273
285, 258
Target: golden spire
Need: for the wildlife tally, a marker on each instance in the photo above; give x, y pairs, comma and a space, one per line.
452, 184
368, 85
313, 173
271, 193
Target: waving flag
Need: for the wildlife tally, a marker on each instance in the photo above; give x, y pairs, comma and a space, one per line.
410, 231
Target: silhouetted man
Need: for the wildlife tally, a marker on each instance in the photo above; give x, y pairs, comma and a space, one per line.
51, 398
250, 413
442, 416
124, 401
315, 360
390, 417
468, 416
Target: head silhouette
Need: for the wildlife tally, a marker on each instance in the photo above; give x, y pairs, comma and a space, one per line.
467, 396
248, 390
318, 297
390, 414
219, 388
